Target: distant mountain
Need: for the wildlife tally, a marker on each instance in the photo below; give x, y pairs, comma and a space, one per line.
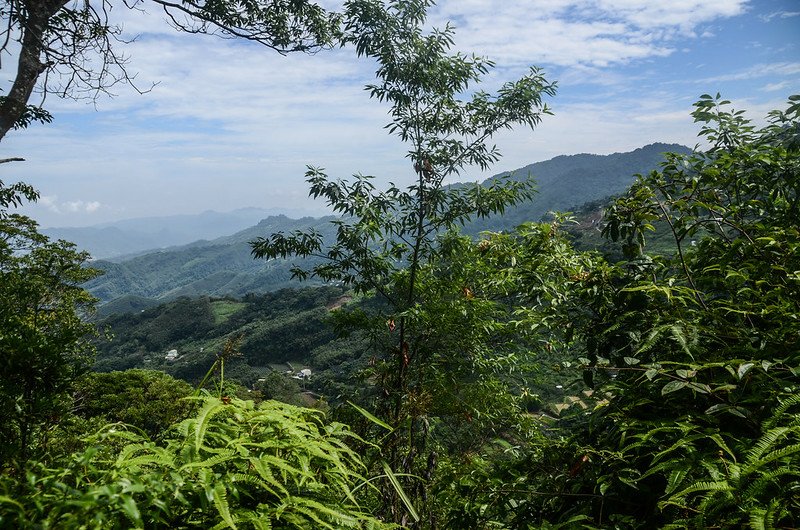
224, 266
131, 236
566, 182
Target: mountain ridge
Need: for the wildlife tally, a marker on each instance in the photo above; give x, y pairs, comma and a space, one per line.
224, 266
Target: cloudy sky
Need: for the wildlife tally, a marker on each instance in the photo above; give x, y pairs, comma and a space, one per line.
230, 125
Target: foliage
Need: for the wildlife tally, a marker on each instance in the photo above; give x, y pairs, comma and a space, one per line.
277, 386
43, 334
279, 327
386, 241
30, 115
146, 399
15, 195
692, 357
232, 465
714, 350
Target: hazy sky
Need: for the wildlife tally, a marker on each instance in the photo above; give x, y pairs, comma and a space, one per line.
230, 124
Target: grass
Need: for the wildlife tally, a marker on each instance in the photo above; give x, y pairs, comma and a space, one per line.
223, 309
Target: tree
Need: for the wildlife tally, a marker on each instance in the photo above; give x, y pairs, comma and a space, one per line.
70, 47
147, 399
44, 337
386, 241
705, 340
692, 357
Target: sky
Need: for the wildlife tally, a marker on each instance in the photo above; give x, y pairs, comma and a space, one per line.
229, 124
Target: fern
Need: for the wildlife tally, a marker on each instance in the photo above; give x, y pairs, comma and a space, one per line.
231, 466
212, 406
221, 502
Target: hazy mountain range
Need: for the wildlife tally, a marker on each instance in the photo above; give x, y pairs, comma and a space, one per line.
130, 236
224, 266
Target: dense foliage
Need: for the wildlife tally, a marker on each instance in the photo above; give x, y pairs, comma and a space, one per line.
513, 381
147, 399
692, 358
386, 239
232, 465
44, 337
282, 327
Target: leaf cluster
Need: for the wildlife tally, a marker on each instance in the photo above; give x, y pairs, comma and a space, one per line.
232, 465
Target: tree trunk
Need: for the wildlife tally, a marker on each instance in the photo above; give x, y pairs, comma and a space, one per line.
29, 67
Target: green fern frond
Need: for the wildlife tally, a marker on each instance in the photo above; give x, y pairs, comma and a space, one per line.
703, 486
212, 406
675, 479
759, 487
266, 475
781, 409
764, 444
763, 518
221, 503
316, 511
777, 454
258, 520
222, 456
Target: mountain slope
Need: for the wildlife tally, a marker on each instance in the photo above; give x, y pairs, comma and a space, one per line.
224, 266
568, 181
220, 267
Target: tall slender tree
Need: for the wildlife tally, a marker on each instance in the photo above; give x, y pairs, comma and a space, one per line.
387, 239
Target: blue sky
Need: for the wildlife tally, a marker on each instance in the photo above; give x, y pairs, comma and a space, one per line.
231, 125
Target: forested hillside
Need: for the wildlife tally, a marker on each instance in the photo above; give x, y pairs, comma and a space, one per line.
221, 267
567, 182
270, 330
224, 266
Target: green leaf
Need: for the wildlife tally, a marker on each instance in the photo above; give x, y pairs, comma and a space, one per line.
400, 492
130, 509
371, 417
743, 369
673, 386
221, 503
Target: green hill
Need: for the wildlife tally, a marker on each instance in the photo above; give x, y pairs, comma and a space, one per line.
274, 328
566, 182
215, 268
225, 267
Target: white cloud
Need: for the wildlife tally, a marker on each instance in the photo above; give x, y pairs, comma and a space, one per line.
52, 204
774, 87
580, 32
232, 124
757, 71
779, 14
683, 14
